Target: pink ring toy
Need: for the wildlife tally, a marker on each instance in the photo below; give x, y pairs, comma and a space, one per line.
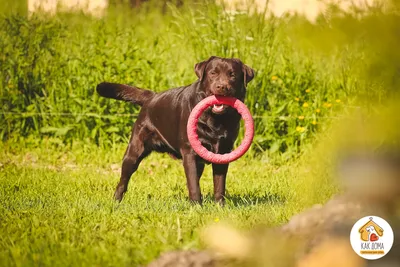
194, 138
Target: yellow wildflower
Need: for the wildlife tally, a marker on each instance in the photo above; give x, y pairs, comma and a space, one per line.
216, 220
318, 110
308, 90
301, 117
337, 100
314, 122
297, 99
300, 129
305, 105
274, 78
327, 105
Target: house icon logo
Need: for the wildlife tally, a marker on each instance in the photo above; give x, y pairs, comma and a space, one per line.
370, 231
371, 237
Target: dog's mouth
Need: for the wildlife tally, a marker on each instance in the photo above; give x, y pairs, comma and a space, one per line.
219, 109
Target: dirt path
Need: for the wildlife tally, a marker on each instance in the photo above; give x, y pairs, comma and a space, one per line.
310, 8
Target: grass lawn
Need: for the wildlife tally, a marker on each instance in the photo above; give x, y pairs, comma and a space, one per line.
57, 208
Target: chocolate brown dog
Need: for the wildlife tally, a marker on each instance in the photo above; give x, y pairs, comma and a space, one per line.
161, 124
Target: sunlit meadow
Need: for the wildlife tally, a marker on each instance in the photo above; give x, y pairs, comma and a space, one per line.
62, 145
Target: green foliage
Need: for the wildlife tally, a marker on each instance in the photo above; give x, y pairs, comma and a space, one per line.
306, 74
60, 158
14, 7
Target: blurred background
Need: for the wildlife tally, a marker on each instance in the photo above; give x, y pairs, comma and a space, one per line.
311, 66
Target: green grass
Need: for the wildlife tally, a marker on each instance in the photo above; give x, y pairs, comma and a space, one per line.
50, 66
57, 208
61, 145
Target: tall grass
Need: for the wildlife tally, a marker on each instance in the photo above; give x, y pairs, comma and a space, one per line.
306, 74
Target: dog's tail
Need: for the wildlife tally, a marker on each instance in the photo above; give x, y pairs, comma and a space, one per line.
124, 92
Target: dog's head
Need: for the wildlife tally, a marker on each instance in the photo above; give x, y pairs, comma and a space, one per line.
370, 229
225, 77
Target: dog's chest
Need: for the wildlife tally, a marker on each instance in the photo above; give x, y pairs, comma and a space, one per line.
217, 135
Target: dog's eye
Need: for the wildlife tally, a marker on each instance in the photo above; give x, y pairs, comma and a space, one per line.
213, 73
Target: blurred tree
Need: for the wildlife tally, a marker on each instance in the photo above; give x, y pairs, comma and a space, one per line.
163, 4
16, 6
138, 3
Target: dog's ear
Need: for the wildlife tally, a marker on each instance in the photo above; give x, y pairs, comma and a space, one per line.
200, 67
248, 74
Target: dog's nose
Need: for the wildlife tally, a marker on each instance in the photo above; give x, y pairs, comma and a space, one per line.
222, 87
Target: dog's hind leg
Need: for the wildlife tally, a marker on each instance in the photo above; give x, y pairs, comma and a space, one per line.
134, 154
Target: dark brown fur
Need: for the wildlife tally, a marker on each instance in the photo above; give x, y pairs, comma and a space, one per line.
162, 121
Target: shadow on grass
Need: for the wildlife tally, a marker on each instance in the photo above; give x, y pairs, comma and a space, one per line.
244, 200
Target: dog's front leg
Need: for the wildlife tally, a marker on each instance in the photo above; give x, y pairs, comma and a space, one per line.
219, 179
193, 170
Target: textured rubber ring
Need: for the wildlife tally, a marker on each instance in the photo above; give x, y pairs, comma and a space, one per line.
194, 138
